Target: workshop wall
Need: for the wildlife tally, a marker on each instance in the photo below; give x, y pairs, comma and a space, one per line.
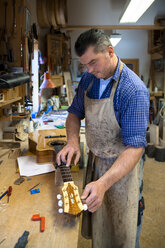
134, 43
107, 12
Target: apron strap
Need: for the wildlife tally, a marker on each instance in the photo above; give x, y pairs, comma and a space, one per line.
89, 86
116, 83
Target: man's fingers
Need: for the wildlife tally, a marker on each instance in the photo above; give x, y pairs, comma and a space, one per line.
69, 157
61, 156
85, 193
58, 158
91, 199
77, 158
93, 209
66, 155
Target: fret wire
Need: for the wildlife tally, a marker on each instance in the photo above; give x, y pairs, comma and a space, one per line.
67, 177
68, 172
65, 173
65, 170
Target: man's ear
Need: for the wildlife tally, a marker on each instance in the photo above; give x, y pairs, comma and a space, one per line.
110, 51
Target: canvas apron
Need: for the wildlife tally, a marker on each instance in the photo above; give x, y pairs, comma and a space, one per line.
114, 224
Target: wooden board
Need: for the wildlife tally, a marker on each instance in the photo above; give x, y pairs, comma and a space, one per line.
69, 88
61, 231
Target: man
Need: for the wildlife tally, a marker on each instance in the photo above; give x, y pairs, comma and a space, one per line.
115, 104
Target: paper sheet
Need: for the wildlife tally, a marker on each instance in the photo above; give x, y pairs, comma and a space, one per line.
28, 166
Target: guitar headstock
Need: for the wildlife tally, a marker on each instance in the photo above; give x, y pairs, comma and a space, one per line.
72, 201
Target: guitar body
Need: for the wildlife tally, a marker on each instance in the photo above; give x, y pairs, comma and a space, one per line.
44, 147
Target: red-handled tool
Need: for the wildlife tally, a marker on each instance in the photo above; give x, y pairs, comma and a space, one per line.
9, 192
36, 217
42, 224
42, 221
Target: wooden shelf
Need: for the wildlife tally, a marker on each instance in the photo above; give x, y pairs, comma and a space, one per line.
156, 56
6, 118
5, 103
20, 116
159, 93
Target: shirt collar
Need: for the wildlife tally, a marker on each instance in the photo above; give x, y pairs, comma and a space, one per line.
117, 71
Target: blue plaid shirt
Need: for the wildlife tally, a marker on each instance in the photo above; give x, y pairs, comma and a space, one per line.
131, 103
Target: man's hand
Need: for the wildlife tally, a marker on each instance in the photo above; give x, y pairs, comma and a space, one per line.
93, 195
67, 153
73, 145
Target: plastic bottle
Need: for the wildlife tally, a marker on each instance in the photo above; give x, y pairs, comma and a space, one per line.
19, 108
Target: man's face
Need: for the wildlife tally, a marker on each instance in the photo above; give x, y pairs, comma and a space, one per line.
98, 64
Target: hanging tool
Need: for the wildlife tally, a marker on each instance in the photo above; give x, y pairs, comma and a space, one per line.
9, 190
14, 19
7, 51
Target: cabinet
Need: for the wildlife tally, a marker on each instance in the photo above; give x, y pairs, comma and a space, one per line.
58, 57
10, 96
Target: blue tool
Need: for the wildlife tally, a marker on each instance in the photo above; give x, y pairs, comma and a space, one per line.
34, 191
4, 193
47, 111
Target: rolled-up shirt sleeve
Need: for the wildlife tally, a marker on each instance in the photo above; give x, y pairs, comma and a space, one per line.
134, 121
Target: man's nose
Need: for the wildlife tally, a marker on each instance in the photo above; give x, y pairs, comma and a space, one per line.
90, 68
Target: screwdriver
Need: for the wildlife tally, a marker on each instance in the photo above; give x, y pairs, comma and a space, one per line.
4, 194
9, 193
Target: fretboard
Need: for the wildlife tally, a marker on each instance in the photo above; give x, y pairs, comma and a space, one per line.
65, 173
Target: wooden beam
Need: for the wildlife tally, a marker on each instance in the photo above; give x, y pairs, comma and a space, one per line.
114, 27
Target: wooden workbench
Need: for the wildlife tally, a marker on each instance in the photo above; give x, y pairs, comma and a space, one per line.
61, 230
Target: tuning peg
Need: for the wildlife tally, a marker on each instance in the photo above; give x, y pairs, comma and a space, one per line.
60, 210
60, 203
85, 207
59, 196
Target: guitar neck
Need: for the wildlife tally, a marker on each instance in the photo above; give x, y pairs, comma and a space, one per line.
65, 173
